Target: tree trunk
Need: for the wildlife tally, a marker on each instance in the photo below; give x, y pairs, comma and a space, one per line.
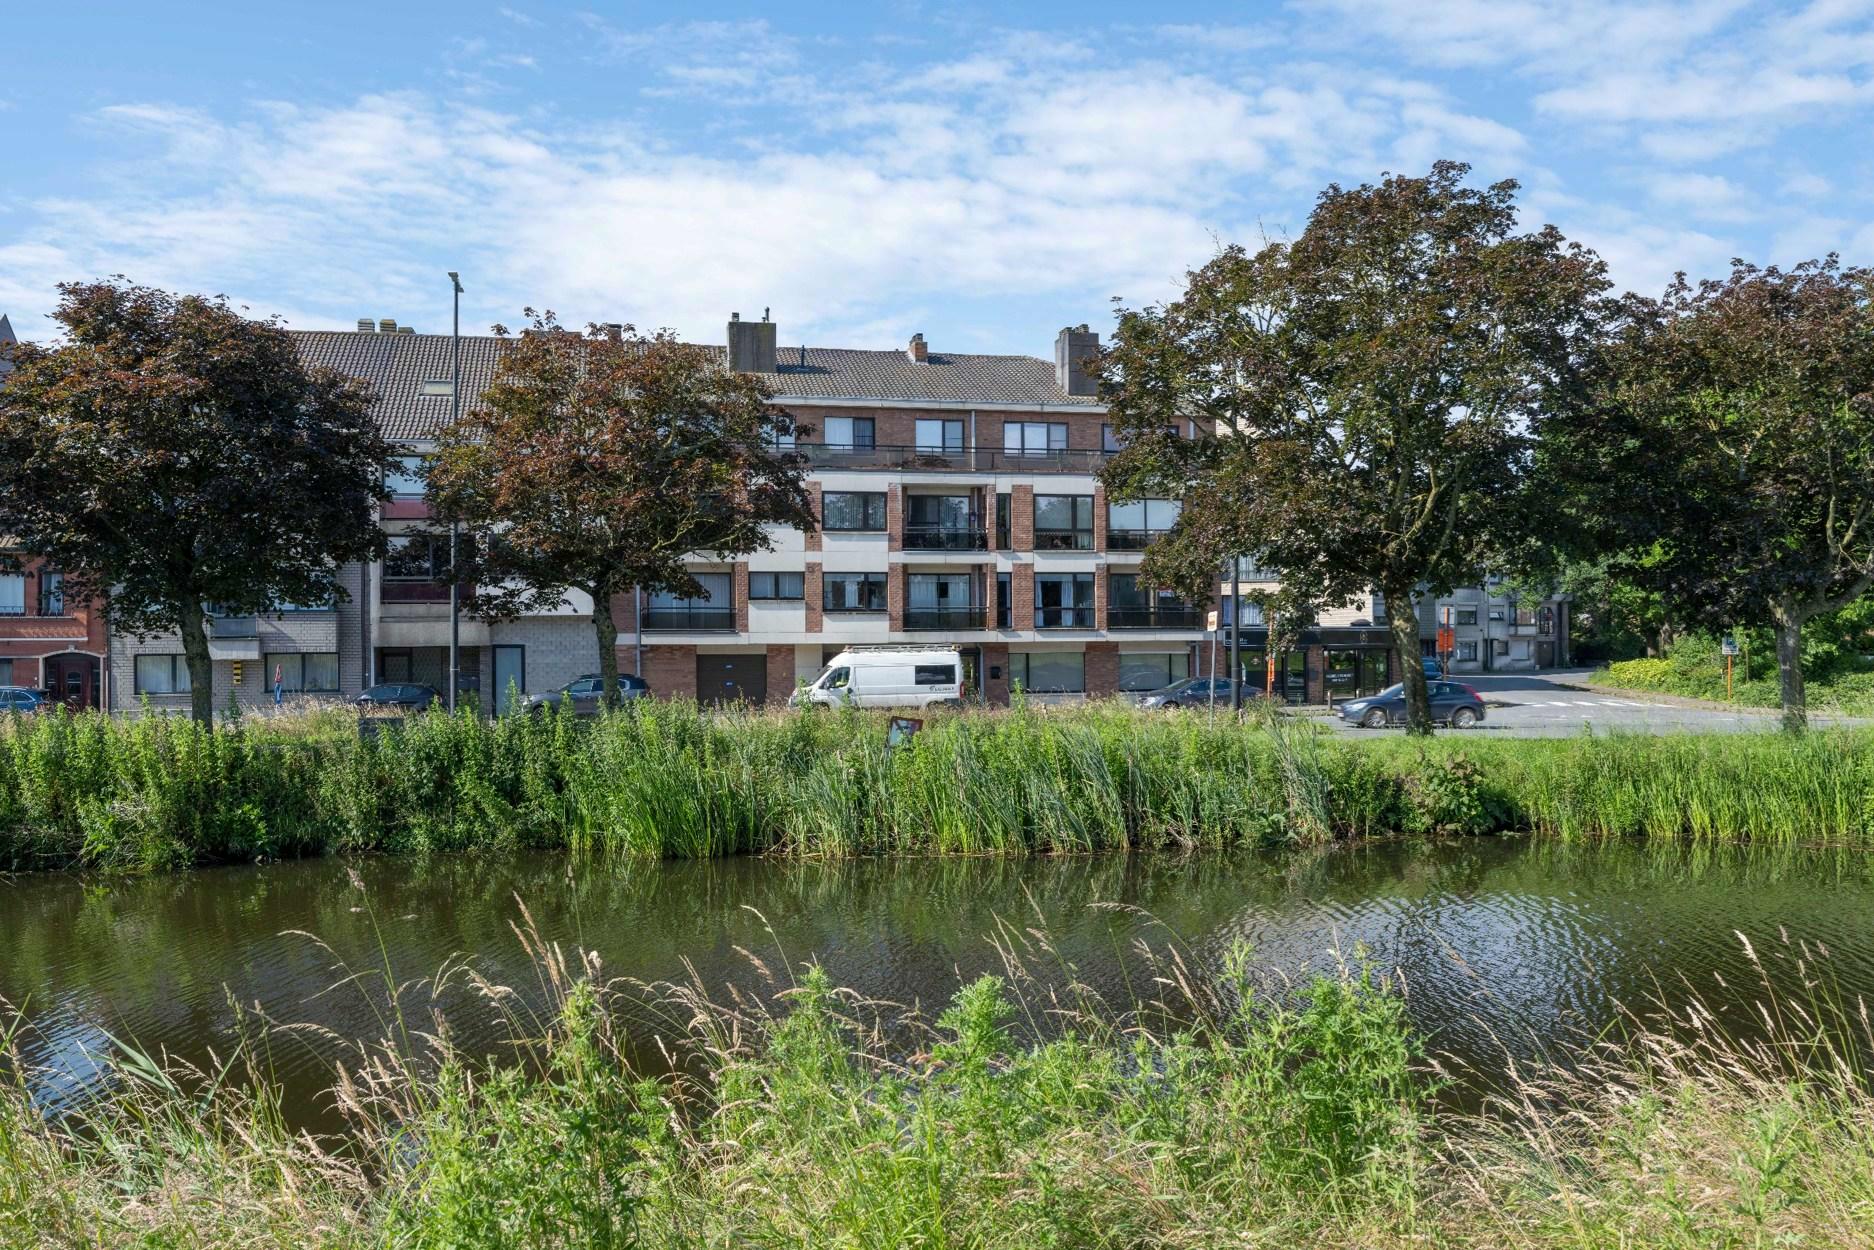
1405, 640
1789, 668
607, 630
201, 669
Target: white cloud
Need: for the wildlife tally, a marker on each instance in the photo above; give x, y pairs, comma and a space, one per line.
1709, 196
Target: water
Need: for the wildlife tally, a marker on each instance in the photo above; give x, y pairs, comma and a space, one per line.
1504, 945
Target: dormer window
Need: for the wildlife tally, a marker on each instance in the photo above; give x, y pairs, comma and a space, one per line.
442, 387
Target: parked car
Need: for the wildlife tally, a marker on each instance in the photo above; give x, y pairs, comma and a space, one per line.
400, 694
1453, 702
25, 702
584, 693
887, 677
1196, 692
1434, 668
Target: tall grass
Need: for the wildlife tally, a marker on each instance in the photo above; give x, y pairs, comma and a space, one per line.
1216, 1116
672, 780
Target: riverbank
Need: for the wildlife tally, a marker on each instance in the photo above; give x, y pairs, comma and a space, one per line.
669, 781
1697, 672
1306, 1120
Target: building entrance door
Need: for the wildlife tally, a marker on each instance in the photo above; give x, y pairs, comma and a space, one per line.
1355, 672
740, 678
72, 679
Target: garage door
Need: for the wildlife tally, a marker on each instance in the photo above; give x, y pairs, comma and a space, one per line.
732, 678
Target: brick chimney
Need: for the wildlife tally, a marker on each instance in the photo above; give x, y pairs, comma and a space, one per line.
918, 352
1073, 347
387, 325
752, 344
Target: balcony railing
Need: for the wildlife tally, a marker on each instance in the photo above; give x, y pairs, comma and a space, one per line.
690, 618
1063, 540
1162, 616
1132, 540
1064, 618
972, 460
413, 592
223, 628
946, 538
944, 618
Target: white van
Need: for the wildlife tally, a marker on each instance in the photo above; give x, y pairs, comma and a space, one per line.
888, 677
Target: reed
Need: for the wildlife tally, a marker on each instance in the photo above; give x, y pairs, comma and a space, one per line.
672, 780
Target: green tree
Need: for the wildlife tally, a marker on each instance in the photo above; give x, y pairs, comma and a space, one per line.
1734, 436
172, 454
598, 462
1362, 396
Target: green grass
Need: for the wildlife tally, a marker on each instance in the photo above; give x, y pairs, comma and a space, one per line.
669, 780
1219, 1117
1833, 682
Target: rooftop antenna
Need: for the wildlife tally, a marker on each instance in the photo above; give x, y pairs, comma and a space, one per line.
764, 314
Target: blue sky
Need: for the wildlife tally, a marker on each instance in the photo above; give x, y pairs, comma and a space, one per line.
981, 173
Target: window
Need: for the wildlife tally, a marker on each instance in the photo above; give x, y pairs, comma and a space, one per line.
777, 585
1467, 616
1130, 526
850, 432
1467, 651
1048, 672
1152, 672
1545, 621
1500, 646
12, 594
6, 672
1525, 615
852, 510
838, 679
1063, 600
52, 594
1379, 606
1034, 438
934, 674
853, 592
162, 674
307, 671
1109, 439
939, 436
416, 558
717, 592
439, 386
783, 439
1063, 522
394, 666
1002, 600
1002, 521
409, 479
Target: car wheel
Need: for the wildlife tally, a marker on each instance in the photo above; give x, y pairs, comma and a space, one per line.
1374, 719
1463, 718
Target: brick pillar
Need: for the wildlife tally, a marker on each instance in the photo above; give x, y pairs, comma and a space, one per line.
1101, 595
994, 498
1022, 518
1099, 518
671, 671
996, 674
780, 674
739, 584
894, 517
1316, 685
894, 597
814, 596
988, 574
813, 500
1102, 669
1022, 597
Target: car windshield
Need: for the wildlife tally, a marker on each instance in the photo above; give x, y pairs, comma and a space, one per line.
1392, 691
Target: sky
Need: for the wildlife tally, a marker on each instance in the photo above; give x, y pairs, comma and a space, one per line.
981, 173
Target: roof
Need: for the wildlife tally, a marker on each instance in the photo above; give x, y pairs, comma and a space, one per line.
397, 365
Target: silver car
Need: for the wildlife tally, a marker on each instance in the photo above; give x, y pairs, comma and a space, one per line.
583, 692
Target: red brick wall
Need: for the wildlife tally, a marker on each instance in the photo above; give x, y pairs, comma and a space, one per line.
988, 573
739, 586
894, 517
996, 660
813, 498
1102, 669
780, 675
1099, 520
1100, 597
895, 589
1022, 519
670, 670
1022, 597
813, 593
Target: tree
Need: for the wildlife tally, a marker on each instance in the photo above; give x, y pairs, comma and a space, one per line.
596, 463
171, 455
1734, 436
1361, 396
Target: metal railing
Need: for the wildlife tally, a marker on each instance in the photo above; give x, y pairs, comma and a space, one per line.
1063, 540
946, 538
690, 618
1064, 618
944, 618
226, 627
390, 591
1162, 616
1132, 540
971, 460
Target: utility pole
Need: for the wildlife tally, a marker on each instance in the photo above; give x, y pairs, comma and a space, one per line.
1236, 633
455, 587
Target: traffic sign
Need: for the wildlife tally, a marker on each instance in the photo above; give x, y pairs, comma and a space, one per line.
1728, 646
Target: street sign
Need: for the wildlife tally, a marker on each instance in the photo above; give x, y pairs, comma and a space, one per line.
1728, 646
1210, 621
1447, 640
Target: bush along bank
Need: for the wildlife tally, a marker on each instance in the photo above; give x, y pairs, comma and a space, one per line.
1835, 677
668, 780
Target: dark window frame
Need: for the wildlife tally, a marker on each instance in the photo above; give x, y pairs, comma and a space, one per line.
866, 527
773, 580
870, 583
178, 672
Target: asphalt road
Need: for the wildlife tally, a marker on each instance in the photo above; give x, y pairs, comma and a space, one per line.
1560, 703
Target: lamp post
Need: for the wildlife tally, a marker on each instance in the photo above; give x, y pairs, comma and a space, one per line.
1236, 633
455, 415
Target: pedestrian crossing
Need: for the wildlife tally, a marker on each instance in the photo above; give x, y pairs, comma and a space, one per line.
1589, 703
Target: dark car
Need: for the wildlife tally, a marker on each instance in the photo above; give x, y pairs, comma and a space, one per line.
584, 693
1434, 668
400, 694
25, 702
1453, 702
1196, 692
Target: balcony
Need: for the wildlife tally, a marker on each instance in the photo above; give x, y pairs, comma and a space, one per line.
1132, 540
690, 619
944, 460
945, 538
227, 628
1063, 540
1064, 618
945, 618
394, 591
1161, 616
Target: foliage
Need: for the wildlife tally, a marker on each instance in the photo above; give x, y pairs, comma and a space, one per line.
1836, 677
597, 463
177, 455
1368, 386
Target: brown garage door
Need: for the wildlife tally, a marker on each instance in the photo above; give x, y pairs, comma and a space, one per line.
732, 678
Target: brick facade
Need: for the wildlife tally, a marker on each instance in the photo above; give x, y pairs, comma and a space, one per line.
894, 517
996, 673
813, 598
1022, 597
812, 537
670, 670
780, 674
53, 639
1022, 520
739, 588
895, 588
1102, 669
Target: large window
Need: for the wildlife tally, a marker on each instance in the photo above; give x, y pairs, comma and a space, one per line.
6, 672
1152, 672
713, 609
939, 436
776, 585
12, 594
1466, 616
1133, 605
312, 672
853, 592
941, 601
416, 558
852, 510
942, 523
1002, 600
1467, 652
162, 674
1063, 522
52, 594
1063, 601
1048, 672
1130, 526
1034, 438
407, 480
854, 433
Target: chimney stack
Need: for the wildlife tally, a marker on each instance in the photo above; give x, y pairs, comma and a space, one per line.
615, 330
918, 351
387, 325
752, 344
367, 326
1073, 347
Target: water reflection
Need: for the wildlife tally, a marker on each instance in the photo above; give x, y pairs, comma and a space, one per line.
1502, 943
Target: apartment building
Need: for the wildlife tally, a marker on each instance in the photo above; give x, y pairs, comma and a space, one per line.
1495, 632
49, 640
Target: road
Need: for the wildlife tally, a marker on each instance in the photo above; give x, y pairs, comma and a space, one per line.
1560, 703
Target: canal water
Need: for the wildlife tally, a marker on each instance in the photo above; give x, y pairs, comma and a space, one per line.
1504, 946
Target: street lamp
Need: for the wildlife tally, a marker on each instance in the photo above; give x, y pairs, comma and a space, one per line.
455, 415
